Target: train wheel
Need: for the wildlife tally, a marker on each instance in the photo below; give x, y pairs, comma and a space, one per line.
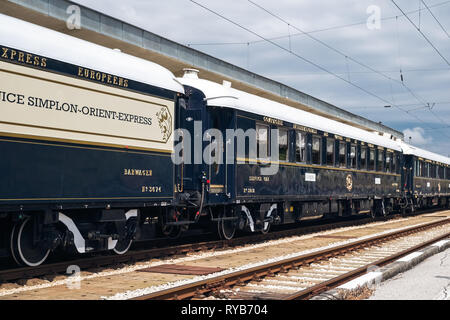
23, 249
373, 212
384, 212
266, 227
124, 245
172, 232
226, 228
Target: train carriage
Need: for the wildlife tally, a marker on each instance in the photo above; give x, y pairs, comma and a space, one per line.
322, 166
427, 177
86, 137
91, 160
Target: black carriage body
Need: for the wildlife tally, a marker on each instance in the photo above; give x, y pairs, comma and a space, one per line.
427, 181
42, 174
301, 188
46, 172
304, 180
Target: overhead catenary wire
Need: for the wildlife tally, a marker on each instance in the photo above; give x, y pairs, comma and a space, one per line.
432, 45
425, 70
432, 14
423, 35
302, 58
309, 32
346, 56
290, 52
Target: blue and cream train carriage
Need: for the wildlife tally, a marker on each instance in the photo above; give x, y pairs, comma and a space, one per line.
323, 167
90, 157
86, 136
426, 177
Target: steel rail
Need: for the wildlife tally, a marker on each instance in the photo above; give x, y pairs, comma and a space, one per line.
240, 277
164, 251
85, 263
333, 283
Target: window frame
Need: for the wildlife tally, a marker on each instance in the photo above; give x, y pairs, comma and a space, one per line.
354, 159
388, 166
370, 166
380, 166
344, 163
286, 131
260, 124
364, 150
313, 137
299, 146
333, 157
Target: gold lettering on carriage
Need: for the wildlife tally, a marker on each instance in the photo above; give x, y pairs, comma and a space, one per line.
23, 57
273, 121
102, 77
138, 172
305, 129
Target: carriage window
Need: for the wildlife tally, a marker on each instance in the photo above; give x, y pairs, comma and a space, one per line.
372, 159
342, 154
283, 145
300, 147
418, 168
424, 169
353, 156
262, 140
394, 163
363, 158
316, 150
330, 152
433, 171
388, 161
380, 160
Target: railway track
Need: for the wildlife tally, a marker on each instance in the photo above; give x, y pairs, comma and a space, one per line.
175, 249
305, 276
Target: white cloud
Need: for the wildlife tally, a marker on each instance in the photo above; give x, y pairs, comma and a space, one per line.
418, 136
396, 45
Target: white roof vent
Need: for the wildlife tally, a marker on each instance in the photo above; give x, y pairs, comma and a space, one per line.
226, 84
190, 73
117, 50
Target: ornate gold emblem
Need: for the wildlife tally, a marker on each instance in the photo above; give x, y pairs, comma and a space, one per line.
349, 182
165, 123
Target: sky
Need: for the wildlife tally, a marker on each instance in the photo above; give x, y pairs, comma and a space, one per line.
360, 53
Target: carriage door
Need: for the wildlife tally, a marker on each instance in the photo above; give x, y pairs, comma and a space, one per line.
407, 176
186, 173
219, 120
